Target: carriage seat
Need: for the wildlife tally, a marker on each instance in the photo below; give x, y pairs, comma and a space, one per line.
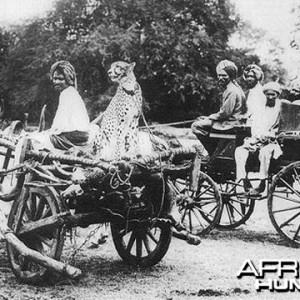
289, 122
289, 131
228, 140
220, 130
236, 131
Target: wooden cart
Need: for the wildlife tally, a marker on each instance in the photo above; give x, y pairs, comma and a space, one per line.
137, 197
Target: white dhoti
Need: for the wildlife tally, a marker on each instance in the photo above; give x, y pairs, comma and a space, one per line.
266, 153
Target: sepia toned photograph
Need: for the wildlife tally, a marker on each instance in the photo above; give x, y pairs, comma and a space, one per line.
149, 149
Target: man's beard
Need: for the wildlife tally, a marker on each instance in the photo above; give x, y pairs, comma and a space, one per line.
271, 102
251, 85
223, 82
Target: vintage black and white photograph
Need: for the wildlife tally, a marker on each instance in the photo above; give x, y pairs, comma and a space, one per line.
149, 149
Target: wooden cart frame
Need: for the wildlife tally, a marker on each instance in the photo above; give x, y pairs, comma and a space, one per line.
136, 197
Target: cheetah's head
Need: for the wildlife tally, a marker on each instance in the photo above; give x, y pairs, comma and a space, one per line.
120, 71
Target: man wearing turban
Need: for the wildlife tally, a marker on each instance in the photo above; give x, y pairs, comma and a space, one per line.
262, 140
295, 91
71, 122
70, 125
232, 111
256, 99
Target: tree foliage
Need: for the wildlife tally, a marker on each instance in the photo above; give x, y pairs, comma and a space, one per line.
295, 42
253, 41
176, 45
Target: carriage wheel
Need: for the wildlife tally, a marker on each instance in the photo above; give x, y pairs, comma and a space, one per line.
237, 207
284, 203
141, 244
35, 203
199, 211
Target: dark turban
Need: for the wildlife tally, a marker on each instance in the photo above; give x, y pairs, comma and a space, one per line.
229, 67
231, 71
65, 68
256, 70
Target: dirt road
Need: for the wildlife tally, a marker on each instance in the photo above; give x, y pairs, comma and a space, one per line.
207, 271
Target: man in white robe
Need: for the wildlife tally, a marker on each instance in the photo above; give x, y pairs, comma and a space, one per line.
71, 122
263, 130
255, 98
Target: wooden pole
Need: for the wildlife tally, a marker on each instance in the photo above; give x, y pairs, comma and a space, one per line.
63, 218
39, 258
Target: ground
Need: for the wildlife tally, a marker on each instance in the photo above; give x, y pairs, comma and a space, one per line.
207, 271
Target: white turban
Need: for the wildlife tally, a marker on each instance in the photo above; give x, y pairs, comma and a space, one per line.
256, 70
65, 68
272, 86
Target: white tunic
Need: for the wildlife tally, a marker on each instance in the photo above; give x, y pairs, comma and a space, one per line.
71, 114
265, 121
256, 101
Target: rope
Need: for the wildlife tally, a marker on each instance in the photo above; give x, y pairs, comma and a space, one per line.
70, 159
165, 154
167, 124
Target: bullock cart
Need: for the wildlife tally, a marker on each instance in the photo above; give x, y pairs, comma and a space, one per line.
146, 201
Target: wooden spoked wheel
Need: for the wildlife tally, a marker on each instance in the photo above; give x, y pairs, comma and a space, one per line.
141, 244
200, 210
35, 203
237, 207
284, 203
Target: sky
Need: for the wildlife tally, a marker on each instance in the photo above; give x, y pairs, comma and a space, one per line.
14, 11
272, 15
275, 17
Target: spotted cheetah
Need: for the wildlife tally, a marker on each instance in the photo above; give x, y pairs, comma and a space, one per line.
118, 135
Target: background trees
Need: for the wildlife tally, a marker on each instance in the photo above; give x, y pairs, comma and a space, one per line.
176, 45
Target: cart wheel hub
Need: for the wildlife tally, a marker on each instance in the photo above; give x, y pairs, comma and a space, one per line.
226, 197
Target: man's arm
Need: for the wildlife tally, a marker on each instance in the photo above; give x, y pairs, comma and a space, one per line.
274, 128
227, 108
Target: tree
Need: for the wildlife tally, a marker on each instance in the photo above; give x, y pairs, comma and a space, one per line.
176, 45
295, 42
259, 48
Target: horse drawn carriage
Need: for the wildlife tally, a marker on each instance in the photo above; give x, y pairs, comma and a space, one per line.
283, 185
138, 198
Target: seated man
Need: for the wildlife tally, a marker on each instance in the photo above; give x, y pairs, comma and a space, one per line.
71, 122
256, 99
231, 112
263, 129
